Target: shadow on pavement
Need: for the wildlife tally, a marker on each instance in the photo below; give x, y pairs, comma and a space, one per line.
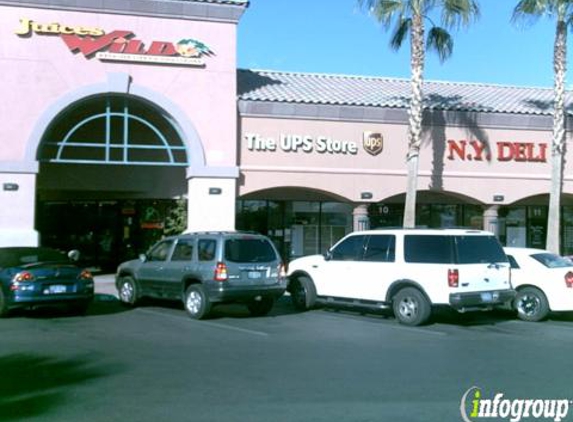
103, 304
473, 318
32, 385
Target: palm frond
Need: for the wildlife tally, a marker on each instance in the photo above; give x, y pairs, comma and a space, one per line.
529, 11
456, 13
441, 42
384, 10
400, 33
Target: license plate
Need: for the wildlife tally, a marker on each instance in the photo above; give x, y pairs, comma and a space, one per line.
254, 274
487, 297
55, 289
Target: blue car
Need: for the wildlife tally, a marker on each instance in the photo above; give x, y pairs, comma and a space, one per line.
36, 276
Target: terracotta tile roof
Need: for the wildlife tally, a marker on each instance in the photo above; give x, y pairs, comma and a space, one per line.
326, 89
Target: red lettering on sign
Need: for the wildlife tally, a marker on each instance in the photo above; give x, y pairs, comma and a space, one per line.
458, 148
161, 48
89, 45
504, 151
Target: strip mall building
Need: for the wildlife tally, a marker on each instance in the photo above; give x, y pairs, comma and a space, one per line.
112, 111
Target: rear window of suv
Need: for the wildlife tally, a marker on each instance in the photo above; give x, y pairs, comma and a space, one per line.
249, 250
479, 249
437, 249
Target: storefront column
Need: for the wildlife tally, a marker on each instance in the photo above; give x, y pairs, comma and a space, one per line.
211, 204
18, 199
491, 220
360, 218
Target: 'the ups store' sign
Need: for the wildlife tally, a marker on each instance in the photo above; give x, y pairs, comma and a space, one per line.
119, 45
501, 151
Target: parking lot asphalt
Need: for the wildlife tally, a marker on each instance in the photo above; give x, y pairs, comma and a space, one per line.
155, 363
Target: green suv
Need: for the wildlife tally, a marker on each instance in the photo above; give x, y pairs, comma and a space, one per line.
204, 269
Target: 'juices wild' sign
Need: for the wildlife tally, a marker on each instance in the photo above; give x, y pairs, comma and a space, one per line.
119, 45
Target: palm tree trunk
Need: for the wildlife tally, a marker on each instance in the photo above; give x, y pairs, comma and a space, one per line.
415, 118
558, 145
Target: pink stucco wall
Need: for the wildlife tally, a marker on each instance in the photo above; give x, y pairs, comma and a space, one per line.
519, 165
40, 69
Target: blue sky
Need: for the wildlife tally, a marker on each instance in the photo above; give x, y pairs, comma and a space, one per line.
337, 37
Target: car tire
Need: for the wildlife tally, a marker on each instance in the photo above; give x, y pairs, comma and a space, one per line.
531, 304
196, 302
3, 304
128, 291
411, 307
303, 293
260, 307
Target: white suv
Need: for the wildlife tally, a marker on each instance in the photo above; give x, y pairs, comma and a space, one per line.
410, 270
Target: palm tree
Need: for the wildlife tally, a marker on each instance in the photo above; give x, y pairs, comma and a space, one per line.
410, 17
562, 12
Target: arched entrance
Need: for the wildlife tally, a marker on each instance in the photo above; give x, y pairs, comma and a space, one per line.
111, 168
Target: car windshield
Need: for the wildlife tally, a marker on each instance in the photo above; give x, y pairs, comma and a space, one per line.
249, 250
16, 257
552, 261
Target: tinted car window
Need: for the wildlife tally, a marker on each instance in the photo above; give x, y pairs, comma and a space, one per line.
160, 252
349, 249
249, 250
206, 249
14, 257
428, 249
552, 261
479, 249
183, 250
380, 248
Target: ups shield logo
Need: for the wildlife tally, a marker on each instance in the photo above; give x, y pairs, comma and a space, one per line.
373, 143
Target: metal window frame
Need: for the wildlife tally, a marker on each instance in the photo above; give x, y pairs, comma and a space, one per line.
126, 145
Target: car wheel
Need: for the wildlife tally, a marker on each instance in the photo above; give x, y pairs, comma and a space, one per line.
531, 304
303, 293
411, 307
261, 307
197, 303
3, 304
128, 291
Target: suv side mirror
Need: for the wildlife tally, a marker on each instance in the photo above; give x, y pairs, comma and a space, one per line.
142, 257
327, 255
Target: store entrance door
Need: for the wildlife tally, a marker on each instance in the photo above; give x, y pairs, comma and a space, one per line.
94, 228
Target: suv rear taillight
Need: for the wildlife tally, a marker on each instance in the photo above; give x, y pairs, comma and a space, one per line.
282, 271
453, 277
221, 272
569, 279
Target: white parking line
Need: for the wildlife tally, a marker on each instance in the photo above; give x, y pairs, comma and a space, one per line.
205, 323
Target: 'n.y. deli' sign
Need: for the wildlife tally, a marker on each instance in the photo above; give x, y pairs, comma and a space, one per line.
119, 45
500, 151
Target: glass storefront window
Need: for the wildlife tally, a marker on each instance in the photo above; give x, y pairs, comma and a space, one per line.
336, 222
297, 228
515, 226
567, 230
473, 216
438, 216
